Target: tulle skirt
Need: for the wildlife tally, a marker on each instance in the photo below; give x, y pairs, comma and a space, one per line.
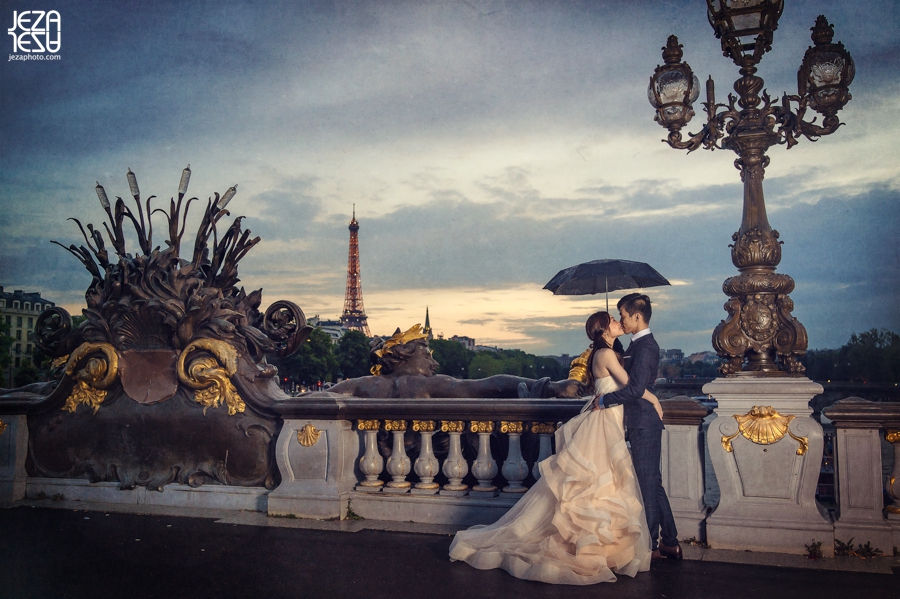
581, 523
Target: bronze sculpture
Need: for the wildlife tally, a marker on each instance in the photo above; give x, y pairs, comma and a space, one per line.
167, 379
404, 368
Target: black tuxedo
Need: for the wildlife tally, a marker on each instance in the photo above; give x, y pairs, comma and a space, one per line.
645, 436
641, 363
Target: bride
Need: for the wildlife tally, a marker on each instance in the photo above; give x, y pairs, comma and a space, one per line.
583, 521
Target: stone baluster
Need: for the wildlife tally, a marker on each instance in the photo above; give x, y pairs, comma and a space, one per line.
371, 463
545, 431
455, 466
484, 468
398, 464
426, 466
515, 468
858, 473
892, 485
13, 449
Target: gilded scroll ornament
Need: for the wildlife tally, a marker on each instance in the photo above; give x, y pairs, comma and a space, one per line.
97, 375
3, 426
452, 426
481, 426
368, 425
210, 376
892, 436
423, 426
763, 425
510, 427
308, 435
543, 428
395, 425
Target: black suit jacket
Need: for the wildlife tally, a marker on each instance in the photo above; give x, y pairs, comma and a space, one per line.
641, 364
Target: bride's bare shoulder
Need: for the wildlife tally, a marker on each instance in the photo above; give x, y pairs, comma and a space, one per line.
606, 354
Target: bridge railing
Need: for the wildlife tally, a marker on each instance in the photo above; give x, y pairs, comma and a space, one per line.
453, 461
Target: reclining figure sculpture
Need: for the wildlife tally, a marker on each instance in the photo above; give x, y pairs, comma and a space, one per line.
403, 367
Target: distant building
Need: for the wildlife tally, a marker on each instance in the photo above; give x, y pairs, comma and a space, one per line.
671, 355
466, 342
20, 311
564, 360
708, 357
427, 329
334, 328
487, 348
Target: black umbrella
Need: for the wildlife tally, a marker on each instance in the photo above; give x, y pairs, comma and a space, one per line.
603, 276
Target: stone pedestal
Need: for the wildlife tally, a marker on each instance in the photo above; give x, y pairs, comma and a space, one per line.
13, 449
766, 451
316, 459
859, 483
682, 464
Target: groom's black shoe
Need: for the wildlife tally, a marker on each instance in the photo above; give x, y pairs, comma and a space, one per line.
671, 552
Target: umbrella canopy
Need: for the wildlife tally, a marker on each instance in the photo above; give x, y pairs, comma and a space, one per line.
603, 276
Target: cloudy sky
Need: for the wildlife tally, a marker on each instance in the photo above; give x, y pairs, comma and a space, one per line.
485, 144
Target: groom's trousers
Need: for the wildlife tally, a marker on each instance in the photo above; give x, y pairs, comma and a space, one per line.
646, 448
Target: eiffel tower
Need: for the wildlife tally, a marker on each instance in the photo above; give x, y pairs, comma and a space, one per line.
354, 316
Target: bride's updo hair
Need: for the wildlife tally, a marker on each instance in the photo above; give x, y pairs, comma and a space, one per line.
596, 325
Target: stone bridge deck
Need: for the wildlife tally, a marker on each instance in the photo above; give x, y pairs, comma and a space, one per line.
78, 549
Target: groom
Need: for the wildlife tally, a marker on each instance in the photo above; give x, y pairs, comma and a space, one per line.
643, 423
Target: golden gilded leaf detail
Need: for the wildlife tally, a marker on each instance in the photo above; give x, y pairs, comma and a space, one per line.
423, 426
3, 426
94, 378
210, 376
368, 425
395, 425
892, 436
308, 435
481, 426
452, 426
543, 428
579, 369
510, 427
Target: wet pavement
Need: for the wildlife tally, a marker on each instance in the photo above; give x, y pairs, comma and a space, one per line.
63, 551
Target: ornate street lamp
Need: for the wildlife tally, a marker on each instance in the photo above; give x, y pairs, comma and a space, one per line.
760, 335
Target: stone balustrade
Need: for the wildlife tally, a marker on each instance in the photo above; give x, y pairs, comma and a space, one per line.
453, 461
862, 515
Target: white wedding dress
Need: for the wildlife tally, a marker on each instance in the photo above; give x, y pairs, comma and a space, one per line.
582, 522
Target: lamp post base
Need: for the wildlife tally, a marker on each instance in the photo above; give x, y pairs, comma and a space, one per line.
766, 452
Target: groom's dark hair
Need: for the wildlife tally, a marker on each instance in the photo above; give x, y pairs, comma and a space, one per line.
636, 302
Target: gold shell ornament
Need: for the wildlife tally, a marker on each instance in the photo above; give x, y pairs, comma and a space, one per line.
763, 425
308, 435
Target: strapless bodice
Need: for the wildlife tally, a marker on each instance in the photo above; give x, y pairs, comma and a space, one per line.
606, 385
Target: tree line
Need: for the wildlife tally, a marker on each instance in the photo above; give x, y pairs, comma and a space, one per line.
872, 356
320, 361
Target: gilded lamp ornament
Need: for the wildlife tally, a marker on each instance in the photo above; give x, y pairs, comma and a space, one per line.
760, 335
